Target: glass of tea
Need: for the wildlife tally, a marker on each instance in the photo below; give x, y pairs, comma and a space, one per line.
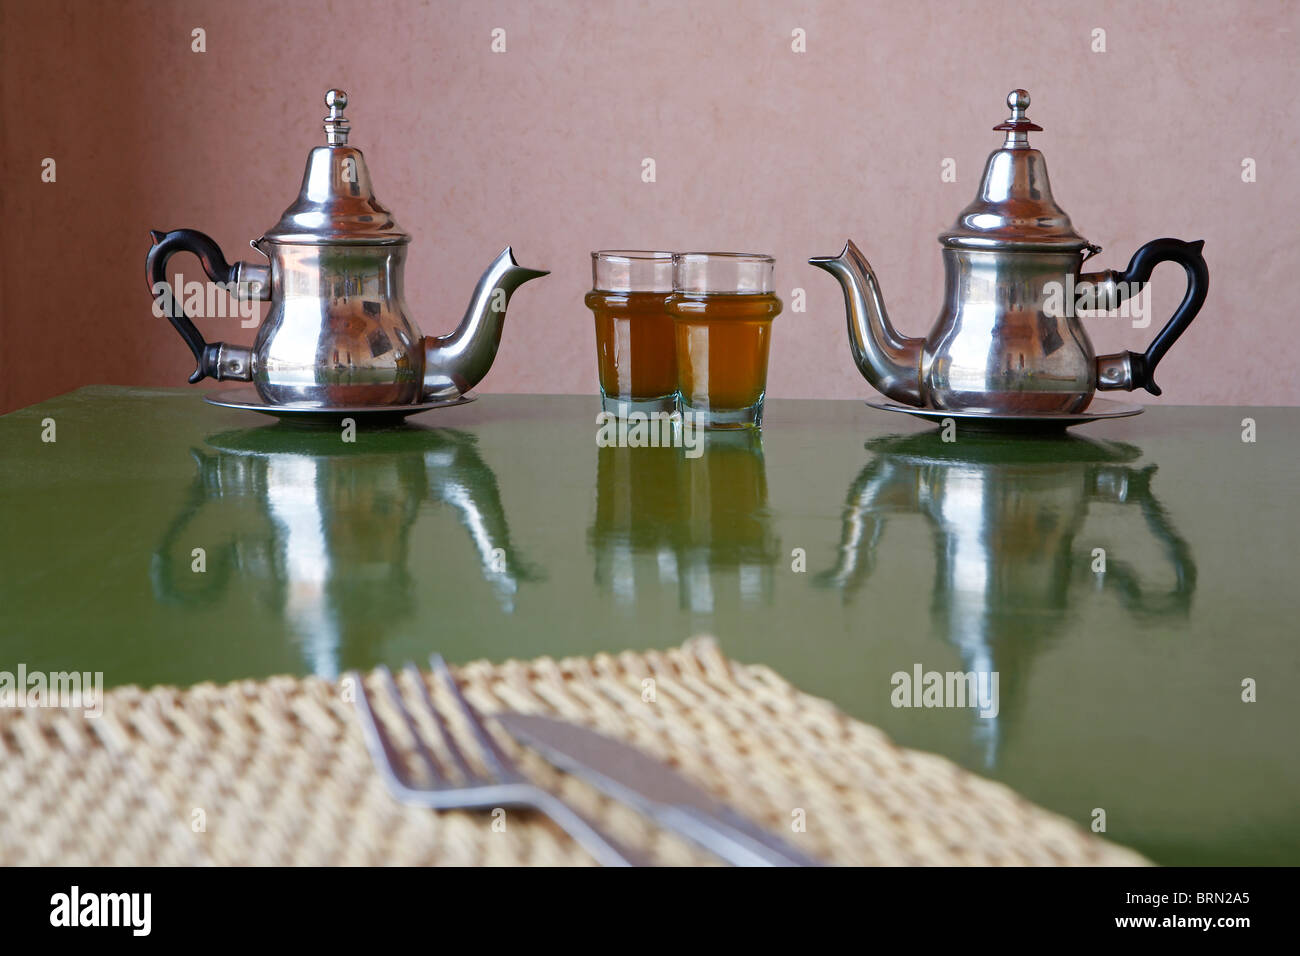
722, 308
634, 335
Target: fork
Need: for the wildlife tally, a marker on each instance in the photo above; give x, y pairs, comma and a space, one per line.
503, 786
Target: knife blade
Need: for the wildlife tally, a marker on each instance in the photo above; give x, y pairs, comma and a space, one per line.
653, 788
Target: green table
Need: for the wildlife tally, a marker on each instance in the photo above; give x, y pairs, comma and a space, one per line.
844, 546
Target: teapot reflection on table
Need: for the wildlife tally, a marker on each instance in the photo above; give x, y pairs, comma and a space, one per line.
323, 528
1006, 517
338, 333
1004, 343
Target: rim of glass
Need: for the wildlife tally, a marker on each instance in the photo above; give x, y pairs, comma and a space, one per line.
723, 273
632, 270
631, 255
734, 256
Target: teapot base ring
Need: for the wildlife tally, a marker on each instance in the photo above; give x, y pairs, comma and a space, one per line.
1043, 423
247, 399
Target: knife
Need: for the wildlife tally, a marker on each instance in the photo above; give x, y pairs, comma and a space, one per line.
653, 788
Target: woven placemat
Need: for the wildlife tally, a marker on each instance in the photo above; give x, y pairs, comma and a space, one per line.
276, 772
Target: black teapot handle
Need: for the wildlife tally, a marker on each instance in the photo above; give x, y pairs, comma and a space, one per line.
162, 570
213, 359
1136, 489
1130, 370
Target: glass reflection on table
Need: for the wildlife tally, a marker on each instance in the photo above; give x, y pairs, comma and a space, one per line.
700, 526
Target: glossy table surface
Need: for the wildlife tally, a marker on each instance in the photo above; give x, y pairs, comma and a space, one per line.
842, 546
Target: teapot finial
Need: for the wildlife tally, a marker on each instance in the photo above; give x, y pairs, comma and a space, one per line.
336, 124
1017, 125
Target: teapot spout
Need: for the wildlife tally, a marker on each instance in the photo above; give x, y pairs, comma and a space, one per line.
889, 361
456, 362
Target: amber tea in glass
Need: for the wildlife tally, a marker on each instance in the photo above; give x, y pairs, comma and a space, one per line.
634, 334
722, 309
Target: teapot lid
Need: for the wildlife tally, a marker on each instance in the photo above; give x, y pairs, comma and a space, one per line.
336, 203
1015, 208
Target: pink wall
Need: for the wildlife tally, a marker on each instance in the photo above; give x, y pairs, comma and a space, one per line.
757, 148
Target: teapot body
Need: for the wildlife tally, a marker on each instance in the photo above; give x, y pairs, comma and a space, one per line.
1008, 340
1002, 341
338, 332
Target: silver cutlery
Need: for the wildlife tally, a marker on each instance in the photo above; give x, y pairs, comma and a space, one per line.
655, 789
502, 786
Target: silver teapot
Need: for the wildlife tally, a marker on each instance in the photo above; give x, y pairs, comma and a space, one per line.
1007, 340
338, 332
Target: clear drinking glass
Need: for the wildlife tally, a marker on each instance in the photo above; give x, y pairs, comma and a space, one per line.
722, 307
634, 335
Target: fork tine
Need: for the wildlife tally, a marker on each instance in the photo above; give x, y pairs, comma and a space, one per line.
457, 756
422, 749
378, 742
509, 789
493, 756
